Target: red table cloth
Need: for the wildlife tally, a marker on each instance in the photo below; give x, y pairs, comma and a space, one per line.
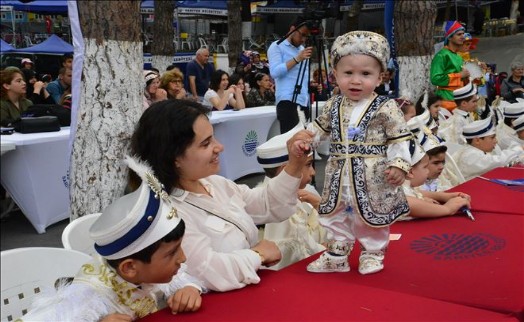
492, 197
447, 269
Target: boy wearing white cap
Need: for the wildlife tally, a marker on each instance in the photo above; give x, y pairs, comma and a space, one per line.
518, 126
301, 235
478, 156
369, 157
466, 99
506, 134
428, 204
139, 237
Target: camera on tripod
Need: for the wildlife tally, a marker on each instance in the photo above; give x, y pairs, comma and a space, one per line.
315, 11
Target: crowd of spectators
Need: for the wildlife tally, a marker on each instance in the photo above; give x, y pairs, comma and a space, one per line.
21, 89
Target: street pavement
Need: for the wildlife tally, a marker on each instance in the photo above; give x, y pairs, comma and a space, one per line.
500, 50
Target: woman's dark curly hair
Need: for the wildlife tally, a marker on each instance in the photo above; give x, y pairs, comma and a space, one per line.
163, 134
216, 78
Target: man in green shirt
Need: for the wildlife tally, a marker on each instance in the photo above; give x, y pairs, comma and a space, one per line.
447, 71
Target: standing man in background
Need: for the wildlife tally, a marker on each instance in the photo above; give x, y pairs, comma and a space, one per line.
199, 74
284, 65
446, 71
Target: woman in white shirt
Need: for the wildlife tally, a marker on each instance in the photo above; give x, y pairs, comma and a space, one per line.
221, 242
219, 97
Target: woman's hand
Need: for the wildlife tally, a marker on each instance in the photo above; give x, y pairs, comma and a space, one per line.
160, 95
37, 87
299, 147
269, 252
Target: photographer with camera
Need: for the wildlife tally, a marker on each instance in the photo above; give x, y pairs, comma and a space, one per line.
36, 89
285, 58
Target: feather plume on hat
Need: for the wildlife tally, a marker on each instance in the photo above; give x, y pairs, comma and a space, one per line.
424, 102
146, 173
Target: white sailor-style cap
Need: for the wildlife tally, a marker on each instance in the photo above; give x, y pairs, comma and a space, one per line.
418, 122
464, 92
273, 152
136, 220
518, 124
416, 151
430, 141
479, 129
513, 110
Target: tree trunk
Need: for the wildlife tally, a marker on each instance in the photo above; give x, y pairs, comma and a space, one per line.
414, 29
162, 48
447, 13
352, 18
111, 103
234, 27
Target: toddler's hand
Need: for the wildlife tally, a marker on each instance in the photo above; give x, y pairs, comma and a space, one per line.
306, 196
186, 299
395, 176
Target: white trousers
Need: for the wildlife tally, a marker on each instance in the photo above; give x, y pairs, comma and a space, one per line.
348, 226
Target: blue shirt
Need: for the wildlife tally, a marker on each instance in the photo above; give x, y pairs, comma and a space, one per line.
202, 76
285, 79
55, 90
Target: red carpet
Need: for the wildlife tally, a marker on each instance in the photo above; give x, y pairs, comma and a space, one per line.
454, 259
295, 295
448, 269
493, 197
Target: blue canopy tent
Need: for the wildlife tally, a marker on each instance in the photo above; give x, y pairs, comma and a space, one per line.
5, 47
52, 45
38, 6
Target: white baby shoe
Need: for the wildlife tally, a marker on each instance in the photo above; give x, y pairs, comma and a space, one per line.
371, 262
327, 263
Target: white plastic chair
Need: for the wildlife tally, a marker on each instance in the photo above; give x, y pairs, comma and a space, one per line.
248, 43
76, 234
203, 44
28, 271
224, 45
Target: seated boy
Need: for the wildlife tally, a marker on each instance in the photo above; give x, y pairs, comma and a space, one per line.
138, 238
518, 127
428, 204
301, 235
466, 99
506, 134
443, 175
478, 156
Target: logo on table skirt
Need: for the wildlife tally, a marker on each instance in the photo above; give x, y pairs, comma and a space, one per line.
458, 246
65, 180
250, 143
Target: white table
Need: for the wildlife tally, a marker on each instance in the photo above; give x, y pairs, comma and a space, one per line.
241, 132
35, 171
35, 174
7, 146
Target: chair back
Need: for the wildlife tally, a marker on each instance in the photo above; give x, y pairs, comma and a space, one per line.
202, 42
452, 169
28, 271
76, 234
